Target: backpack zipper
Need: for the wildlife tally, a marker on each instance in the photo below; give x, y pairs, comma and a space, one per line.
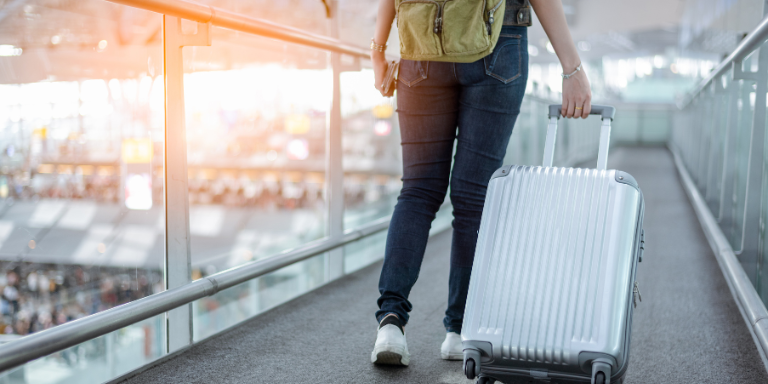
490, 16
439, 19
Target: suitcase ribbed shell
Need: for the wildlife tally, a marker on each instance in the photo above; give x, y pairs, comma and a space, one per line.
554, 266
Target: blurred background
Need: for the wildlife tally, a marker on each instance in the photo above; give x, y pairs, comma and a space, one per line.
82, 136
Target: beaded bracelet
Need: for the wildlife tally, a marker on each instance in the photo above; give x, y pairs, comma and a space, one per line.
377, 47
566, 76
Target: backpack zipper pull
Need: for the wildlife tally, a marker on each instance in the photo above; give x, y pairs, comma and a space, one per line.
636, 295
490, 17
439, 19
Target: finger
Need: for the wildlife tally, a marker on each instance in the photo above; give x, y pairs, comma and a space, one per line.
571, 108
579, 113
582, 112
564, 107
587, 108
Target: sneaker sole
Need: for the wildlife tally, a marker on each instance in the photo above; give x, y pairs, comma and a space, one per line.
389, 357
449, 356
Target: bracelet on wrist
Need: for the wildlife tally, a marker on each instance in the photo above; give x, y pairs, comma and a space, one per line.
566, 76
377, 47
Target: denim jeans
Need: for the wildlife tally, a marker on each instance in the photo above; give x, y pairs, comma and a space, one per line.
475, 105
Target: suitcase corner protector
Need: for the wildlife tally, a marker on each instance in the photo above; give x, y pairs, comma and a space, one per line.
625, 178
502, 172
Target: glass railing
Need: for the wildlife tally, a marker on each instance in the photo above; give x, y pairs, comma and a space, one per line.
719, 140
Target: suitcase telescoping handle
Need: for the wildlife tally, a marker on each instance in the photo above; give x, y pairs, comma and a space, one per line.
605, 111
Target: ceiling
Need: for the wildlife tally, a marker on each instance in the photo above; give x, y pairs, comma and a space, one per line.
60, 38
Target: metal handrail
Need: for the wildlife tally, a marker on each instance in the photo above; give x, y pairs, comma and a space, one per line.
227, 19
749, 44
67, 335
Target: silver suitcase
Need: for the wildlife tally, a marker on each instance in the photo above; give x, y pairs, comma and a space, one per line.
553, 281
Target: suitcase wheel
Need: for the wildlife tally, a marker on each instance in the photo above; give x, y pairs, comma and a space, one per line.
469, 369
601, 372
600, 378
485, 380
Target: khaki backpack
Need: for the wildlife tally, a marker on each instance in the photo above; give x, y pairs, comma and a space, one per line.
461, 31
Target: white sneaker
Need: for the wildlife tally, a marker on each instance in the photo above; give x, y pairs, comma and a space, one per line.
452, 348
391, 347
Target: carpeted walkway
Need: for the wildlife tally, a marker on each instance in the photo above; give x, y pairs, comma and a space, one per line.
687, 329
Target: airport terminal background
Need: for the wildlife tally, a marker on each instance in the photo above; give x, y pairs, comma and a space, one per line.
82, 136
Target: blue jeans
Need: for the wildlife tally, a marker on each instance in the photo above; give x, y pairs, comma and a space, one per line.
483, 100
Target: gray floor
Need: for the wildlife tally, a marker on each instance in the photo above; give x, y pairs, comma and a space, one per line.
686, 330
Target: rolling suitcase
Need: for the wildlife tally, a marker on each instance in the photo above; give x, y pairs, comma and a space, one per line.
553, 282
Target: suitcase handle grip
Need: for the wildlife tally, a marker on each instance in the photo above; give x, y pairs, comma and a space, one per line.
605, 111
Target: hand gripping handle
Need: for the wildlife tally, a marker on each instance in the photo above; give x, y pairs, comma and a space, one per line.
605, 111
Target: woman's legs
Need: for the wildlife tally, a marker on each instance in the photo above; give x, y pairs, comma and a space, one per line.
479, 152
491, 96
427, 113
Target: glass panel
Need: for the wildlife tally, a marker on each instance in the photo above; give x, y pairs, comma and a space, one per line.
522, 148
95, 361
256, 112
81, 188
256, 126
229, 307
656, 127
627, 126
372, 156
577, 143
364, 252
704, 145
746, 110
762, 285
762, 263
715, 166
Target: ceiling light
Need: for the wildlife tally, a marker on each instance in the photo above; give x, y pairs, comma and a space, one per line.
584, 46
533, 51
102, 44
55, 39
10, 50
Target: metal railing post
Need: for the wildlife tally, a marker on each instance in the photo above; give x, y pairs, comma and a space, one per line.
334, 168
750, 237
178, 263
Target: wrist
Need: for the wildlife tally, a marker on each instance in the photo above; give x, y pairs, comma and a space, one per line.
376, 55
570, 65
567, 75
